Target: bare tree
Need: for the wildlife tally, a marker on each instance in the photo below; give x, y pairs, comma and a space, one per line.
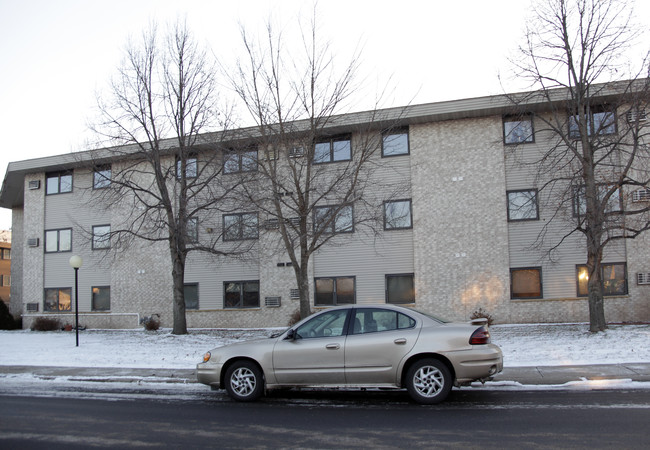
598, 157
314, 179
164, 178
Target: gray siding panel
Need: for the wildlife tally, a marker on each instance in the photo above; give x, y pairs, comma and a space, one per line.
530, 241
211, 272
368, 261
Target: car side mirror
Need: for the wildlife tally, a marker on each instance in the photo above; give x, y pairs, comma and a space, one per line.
291, 335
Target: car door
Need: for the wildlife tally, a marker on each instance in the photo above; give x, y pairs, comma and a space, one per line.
378, 340
315, 356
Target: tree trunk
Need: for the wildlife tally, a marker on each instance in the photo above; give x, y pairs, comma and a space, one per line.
594, 220
596, 304
178, 278
303, 287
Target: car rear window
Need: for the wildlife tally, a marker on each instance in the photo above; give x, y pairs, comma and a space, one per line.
437, 319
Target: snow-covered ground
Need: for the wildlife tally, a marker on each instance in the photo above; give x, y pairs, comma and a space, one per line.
522, 345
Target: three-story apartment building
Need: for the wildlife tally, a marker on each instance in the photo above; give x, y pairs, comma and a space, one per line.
461, 235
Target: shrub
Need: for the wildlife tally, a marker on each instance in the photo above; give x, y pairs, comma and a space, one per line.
7, 321
46, 324
482, 314
151, 323
295, 318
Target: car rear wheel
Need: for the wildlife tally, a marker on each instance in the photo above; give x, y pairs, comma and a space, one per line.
428, 381
244, 381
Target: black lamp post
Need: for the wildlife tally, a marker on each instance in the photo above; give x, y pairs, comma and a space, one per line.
75, 263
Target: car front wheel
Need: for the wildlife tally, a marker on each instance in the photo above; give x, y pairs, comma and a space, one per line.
428, 381
244, 381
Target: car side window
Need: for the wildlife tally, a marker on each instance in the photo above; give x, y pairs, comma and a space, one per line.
404, 321
372, 320
329, 324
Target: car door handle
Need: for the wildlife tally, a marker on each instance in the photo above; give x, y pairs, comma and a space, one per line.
333, 346
400, 341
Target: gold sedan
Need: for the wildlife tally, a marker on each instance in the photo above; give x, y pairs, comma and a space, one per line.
375, 346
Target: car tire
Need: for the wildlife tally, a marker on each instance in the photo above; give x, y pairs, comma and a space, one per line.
428, 381
244, 381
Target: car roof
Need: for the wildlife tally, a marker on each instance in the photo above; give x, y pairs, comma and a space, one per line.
398, 308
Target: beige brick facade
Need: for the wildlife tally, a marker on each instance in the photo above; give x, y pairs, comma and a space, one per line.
461, 253
460, 248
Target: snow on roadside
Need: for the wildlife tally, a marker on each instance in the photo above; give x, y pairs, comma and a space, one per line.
571, 344
116, 348
522, 345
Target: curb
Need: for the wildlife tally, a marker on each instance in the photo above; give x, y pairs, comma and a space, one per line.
533, 375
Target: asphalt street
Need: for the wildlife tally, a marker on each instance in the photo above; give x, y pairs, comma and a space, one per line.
327, 419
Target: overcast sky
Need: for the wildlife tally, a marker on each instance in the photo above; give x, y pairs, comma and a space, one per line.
56, 54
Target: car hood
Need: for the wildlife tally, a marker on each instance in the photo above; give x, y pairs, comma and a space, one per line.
236, 346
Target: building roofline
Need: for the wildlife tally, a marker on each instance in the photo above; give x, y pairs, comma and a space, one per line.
12, 192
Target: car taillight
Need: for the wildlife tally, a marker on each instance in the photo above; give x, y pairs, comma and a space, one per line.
480, 336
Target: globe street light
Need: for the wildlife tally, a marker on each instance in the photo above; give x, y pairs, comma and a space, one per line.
75, 263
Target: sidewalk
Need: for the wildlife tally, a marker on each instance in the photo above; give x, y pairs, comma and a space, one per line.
539, 375
555, 375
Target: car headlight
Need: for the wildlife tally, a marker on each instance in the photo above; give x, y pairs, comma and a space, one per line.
207, 357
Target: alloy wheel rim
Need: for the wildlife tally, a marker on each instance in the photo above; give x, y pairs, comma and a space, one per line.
243, 381
428, 381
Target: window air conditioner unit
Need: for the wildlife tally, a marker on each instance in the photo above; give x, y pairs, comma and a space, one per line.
272, 302
271, 224
296, 152
270, 155
635, 115
33, 242
641, 195
34, 184
643, 278
295, 294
